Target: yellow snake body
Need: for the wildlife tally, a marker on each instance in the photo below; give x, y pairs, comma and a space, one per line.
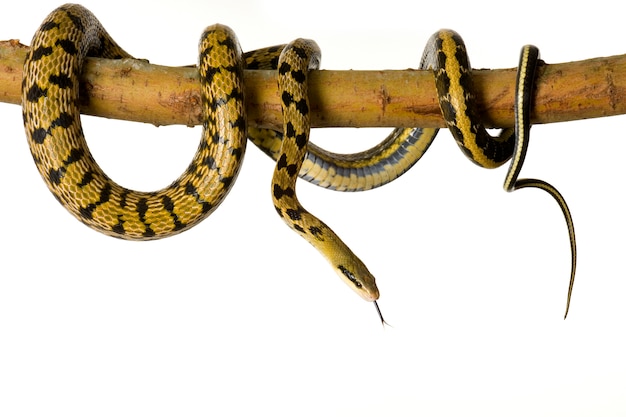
55, 136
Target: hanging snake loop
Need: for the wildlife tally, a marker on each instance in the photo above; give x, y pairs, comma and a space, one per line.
56, 140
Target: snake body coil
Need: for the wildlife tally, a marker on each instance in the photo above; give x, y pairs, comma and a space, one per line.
55, 136
446, 54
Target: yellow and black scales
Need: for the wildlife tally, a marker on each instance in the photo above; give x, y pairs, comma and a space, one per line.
52, 120
50, 94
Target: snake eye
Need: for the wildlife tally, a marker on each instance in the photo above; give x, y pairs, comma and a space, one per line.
348, 274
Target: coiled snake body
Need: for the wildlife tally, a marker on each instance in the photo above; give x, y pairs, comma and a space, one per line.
52, 121
53, 128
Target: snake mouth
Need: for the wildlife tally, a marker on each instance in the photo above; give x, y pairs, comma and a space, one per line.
370, 295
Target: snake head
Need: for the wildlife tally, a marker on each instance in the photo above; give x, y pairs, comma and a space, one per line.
356, 275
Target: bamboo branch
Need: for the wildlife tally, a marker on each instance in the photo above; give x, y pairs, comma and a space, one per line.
137, 91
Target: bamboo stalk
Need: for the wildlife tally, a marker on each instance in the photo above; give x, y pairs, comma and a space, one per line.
138, 91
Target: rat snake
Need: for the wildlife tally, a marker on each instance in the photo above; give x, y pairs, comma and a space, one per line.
50, 93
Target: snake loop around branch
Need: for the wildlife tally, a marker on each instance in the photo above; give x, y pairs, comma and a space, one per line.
55, 135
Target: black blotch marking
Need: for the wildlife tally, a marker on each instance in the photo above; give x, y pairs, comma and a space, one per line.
316, 231
209, 161
290, 130
229, 43
87, 212
64, 120
40, 52
142, 209
119, 227
39, 135
35, 93
76, 154
349, 275
443, 80
206, 207
294, 214
239, 123
48, 26
56, 175
210, 74
299, 76
287, 98
301, 52
87, 178
237, 153
282, 162
61, 80
292, 169
191, 190
298, 228
227, 181
253, 65
168, 204
303, 107
301, 140
105, 194
279, 192
217, 138
123, 197
205, 52
448, 110
231, 68
284, 68
67, 45
218, 102
76, 20
496, 149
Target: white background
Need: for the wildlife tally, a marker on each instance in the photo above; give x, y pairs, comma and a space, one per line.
239, 316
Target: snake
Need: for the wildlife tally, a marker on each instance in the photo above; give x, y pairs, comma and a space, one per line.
50, 93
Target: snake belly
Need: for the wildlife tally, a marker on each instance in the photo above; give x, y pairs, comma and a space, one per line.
360, 171
51, 116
